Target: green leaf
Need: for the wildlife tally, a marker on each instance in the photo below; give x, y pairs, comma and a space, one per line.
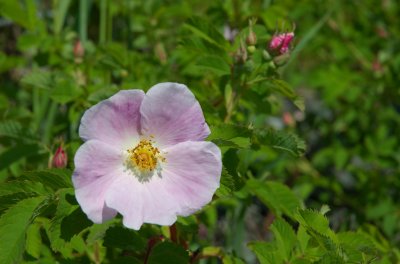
7, 201
65, 89
280, 140
33, 240
123, 238
16, 12
232, 260
214, 64
231, 136
61, 9
168, 253
286, 90
303, 238
317, 226
16, 153
356, 245
14, 129
67, 223
204, 30
266, 252
38, 79
53, 178
229, 183
21, 186
285, 237
278, 197
13, 225
228, 131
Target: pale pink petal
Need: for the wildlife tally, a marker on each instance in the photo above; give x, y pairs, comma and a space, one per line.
97, 165
141, 202
115, 120
186, 182
171, 114
191, 174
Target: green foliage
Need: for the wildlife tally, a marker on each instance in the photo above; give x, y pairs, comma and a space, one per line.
13, 226
167, 252
336, 90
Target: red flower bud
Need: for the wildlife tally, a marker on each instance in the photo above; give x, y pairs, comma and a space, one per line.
281, 42
60, 158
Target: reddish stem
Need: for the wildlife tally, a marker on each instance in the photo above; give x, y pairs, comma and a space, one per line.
150, 244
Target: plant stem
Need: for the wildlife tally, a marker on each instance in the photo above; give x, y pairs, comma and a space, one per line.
83, 19
103, 21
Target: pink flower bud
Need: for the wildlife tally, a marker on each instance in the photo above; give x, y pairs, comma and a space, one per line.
60, 159
79, 50
281, 42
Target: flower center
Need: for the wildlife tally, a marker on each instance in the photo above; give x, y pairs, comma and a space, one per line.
145, 156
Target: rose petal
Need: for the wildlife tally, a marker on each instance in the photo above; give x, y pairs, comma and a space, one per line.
141, 202
171, 113
115, 120
97, 165
187, 182
191, 174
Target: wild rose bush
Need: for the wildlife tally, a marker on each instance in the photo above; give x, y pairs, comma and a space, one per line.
199, 132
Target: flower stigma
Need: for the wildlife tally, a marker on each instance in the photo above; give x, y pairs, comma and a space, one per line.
144, 158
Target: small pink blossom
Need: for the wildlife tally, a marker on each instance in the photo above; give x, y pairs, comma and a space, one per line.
60, 158
145, 157
281, 42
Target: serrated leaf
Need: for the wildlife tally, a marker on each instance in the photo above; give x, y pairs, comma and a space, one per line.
13, 225
16, 153
38, 78
204, 30
331, 258
317, 226
7, 201
280, 140
356, 245
52, 178
67, 223
168, 253
277, 196
21, 186
14, 129
285, 237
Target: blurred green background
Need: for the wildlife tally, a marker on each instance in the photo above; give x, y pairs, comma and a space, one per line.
59, 57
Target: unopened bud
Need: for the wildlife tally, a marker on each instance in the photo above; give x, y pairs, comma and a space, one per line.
60, 158
241, 53
251, 39
160, 52
281, 43
288, 119
79, 50
251, 49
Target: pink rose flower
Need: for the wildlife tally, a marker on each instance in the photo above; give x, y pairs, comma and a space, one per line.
145, 157
281, 42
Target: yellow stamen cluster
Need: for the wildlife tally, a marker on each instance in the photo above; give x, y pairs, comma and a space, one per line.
145, 156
